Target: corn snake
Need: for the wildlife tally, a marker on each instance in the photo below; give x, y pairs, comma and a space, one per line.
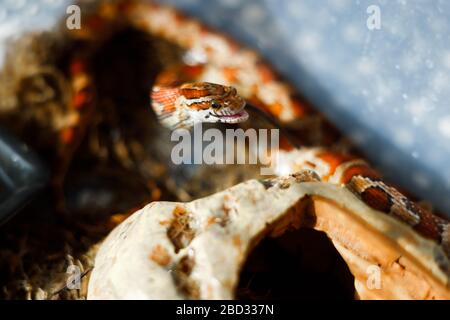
189, 94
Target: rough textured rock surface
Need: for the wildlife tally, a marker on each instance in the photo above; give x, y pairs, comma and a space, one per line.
196, 250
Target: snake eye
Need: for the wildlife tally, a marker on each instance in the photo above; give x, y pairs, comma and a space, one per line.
215, 105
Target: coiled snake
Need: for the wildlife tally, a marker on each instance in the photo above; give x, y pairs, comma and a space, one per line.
196, 97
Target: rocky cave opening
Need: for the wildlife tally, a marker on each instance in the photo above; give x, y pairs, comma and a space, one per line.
300, 264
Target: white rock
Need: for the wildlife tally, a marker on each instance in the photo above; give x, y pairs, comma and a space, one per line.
195, 250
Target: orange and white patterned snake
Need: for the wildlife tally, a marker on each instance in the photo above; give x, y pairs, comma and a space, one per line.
193, 97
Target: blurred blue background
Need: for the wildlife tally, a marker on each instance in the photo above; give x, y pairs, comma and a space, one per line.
387, 88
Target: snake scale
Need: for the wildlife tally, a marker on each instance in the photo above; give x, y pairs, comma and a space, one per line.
213, 87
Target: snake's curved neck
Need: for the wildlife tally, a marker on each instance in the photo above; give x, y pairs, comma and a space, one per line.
164, 100
275, 123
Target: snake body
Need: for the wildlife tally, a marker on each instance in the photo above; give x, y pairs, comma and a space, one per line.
195, 97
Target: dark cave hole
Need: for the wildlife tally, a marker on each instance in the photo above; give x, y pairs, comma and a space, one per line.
300, 264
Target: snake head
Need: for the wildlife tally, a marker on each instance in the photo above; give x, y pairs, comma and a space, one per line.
199, 102
210, 102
